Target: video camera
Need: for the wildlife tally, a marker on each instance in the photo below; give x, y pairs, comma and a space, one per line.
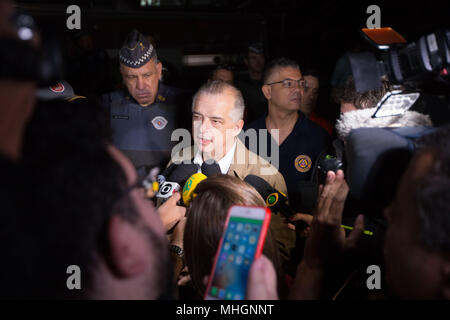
377, 157
407, 66
24, 61
427, 59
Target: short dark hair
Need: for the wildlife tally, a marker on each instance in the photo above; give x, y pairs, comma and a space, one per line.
310, 71
362, 100
433, 196
281, 62
222, 66
76, 187
225, 66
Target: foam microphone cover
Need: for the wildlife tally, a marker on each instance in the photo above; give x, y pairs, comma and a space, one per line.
267, 192
162, 177
182, 172
210, 169
261, 185
190, 185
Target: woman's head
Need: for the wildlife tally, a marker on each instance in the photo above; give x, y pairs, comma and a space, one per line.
206, 219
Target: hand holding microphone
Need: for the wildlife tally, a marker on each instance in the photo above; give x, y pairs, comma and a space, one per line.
176, 177
170, 213
169, 193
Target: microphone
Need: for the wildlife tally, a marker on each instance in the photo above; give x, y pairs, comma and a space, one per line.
190, 185
178, 175
161, 178
275, 200
210, 169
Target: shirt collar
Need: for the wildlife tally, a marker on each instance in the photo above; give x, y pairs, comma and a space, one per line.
223, 163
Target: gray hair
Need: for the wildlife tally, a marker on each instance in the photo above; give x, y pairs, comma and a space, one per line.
218, 87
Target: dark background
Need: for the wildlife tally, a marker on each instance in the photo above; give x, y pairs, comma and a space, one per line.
313, 32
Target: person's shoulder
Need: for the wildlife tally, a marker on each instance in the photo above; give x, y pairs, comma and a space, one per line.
113, 96
257, 164
171, 94
256, 124
314, 129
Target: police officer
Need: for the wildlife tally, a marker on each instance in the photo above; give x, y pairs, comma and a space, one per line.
300, 140
144, 115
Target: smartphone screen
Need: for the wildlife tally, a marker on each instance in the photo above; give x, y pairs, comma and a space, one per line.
242, 241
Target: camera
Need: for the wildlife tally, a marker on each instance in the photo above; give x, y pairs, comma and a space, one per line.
325, 164
409, 64
375, 158
24, 60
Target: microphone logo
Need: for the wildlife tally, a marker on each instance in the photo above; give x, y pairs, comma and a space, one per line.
166, 189
272, 199
187, 186
190, 185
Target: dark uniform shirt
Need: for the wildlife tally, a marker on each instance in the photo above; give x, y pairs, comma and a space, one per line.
254, 99
297, 153
144, 133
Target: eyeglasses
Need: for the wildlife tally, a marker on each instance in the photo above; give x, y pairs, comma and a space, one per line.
289, 83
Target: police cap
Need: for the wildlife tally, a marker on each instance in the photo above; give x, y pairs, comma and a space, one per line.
136, 50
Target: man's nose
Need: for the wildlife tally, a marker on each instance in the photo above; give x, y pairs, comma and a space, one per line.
204, 125
299, 89
140, 84
302, 91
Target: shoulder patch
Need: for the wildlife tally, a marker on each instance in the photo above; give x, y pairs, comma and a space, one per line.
159, 122
303, 163
57, 88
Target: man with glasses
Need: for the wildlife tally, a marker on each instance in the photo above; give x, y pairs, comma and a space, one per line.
300, 140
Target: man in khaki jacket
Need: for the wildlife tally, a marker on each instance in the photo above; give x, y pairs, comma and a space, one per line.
217, 119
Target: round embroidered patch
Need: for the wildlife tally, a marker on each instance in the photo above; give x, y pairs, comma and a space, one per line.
159, 122
303, 163
57, 88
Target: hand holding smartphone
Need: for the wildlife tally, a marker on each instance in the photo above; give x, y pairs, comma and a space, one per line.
241, 243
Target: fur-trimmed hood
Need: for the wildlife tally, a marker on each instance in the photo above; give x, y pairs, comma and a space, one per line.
362, 118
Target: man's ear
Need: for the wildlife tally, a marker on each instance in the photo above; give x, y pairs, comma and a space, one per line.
126, 248
159, 69
239, 125
267, 91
